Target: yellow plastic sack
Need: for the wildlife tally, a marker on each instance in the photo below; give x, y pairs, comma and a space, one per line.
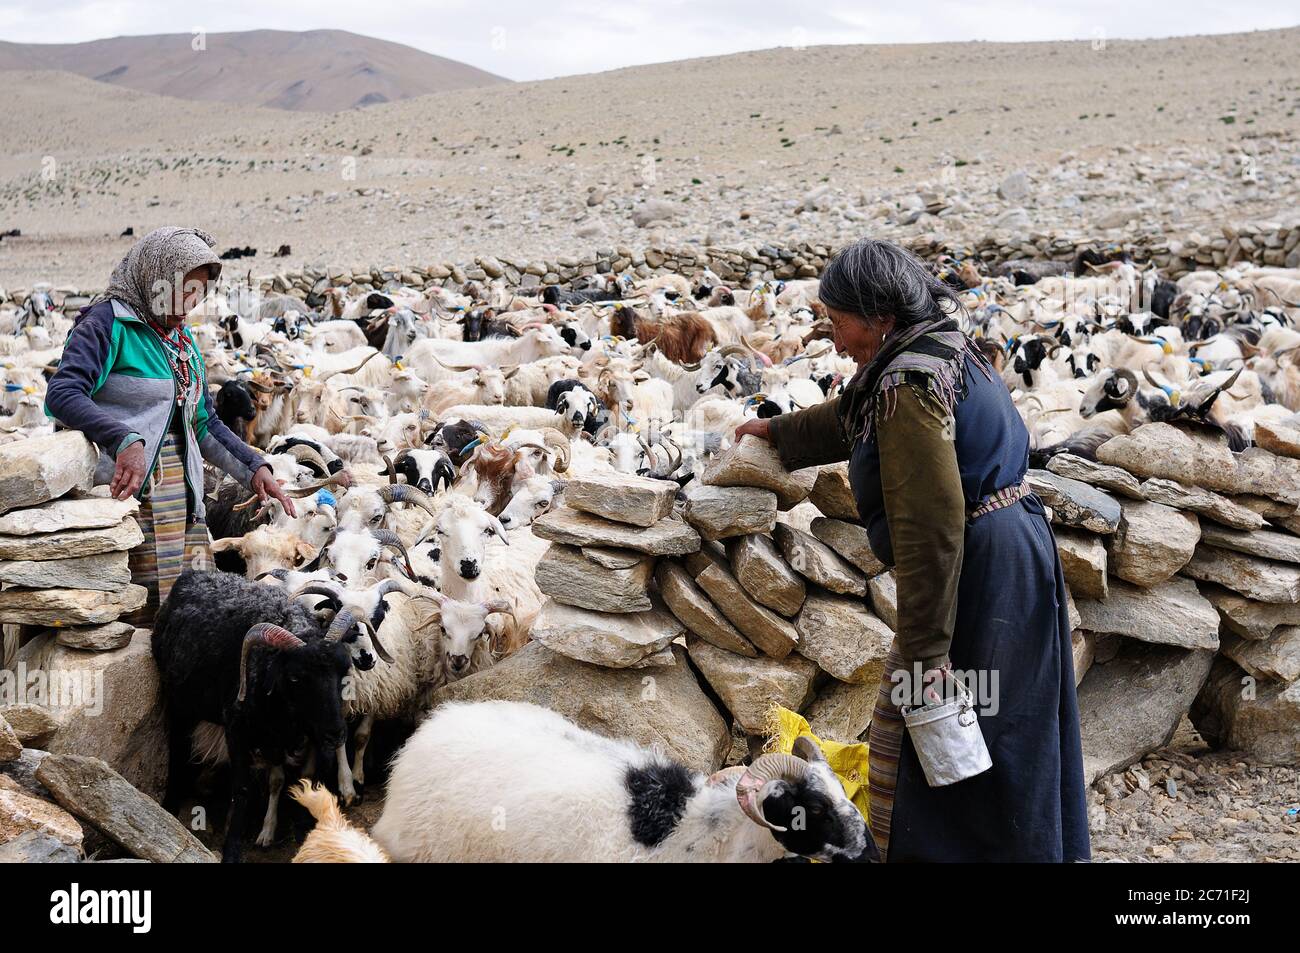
849, 762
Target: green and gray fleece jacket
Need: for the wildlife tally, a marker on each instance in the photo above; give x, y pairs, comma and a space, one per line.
115, 385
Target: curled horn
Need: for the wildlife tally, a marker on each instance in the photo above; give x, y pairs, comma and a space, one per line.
767, 769
318, 589
380, 649
272, 636
305, 454
745, 351
405, 493
1146, 372
554, 440
343, 622
502, 606
390, 468
388, 538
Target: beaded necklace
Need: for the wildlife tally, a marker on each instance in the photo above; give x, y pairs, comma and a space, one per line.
180, 364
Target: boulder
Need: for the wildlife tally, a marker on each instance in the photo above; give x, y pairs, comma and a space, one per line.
1083, 560
884, 598
755, 462
1087, 471
818, 563
710, 554
668, 537
694, 610
750, 687
96, 638
1202, 459
32, 724
605, 580
1084, 646
1212, 506
106, 704
622, 497
1132, 704
842, 711
764, 574
770, 633
90, 512
22, 771
94, 792
21, 813
832, 494
615, 641
666, 708
1247, 618
104, 571
851, 541
1171, 613
843, 637
718, 512
35, 847
1241, 713
1255, 578
1074, 503
59, 607
1278, 438
39, 469
1267, 544
11, 746
1276, 657
1152, 543
71, 543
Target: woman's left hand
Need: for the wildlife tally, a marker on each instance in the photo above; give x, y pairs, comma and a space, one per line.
264, 485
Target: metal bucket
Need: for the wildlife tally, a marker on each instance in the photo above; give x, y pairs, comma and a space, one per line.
947, 739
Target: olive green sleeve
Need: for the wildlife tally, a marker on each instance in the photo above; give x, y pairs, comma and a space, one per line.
810, 438
926, 510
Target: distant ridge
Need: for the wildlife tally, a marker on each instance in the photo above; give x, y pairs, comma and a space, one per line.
316, 70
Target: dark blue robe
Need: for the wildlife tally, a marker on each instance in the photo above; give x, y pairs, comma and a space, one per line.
1012, 623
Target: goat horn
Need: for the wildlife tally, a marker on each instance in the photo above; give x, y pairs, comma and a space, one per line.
380, 649
767, 769
455, 367
387, 537
343, 622
350, 370
270, 635
1146, 372
501, 606
554, 440
305, 454
405, 493
392, 470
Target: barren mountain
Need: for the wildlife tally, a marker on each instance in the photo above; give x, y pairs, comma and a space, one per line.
320, 70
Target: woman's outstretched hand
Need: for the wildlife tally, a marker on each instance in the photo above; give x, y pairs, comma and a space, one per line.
129, 474
265, 485
757, 427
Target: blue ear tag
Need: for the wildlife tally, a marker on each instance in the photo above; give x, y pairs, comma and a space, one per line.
326, 498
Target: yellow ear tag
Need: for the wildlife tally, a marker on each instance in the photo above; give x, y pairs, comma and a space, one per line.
306, 371
1175, 397
1168, 348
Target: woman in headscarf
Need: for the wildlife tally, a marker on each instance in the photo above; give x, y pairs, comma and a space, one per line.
132, 380
937, 458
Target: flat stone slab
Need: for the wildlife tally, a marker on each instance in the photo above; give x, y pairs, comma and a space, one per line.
720, 512
96, 638
755, 462
104, 571
614, 641
818, 563
883, 590
1278, 438
622, 497
1255, 578
751, 687
34, 847
1075, 503
693, 608
1083, 560
1212, 506
69, 544
1114, 479
39, 469
1202, 459
61, 607
1132, 704
843, 637
832, 494
771, 634
1171, 613
1276, 657
91, 512
94, 792
842, 711
1152, 543
20, 813
1246, 617
32, 724
668, 537
765, 575
604, 580
1267, 544
851, 541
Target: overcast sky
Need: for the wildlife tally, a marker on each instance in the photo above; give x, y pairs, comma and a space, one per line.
537, 39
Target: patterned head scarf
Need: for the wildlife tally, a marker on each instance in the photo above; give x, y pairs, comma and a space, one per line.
156, 264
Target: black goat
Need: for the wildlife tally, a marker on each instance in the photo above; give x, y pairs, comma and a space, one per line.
245, 656
482, 323
234, 405
564, 298
456, 438
423, 469
560, 397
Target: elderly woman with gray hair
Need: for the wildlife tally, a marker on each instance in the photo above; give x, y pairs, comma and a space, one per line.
132, 380
937, 459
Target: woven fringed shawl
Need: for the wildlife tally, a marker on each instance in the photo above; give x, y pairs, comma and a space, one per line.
930, 355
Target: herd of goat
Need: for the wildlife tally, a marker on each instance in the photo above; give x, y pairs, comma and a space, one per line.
422, 430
